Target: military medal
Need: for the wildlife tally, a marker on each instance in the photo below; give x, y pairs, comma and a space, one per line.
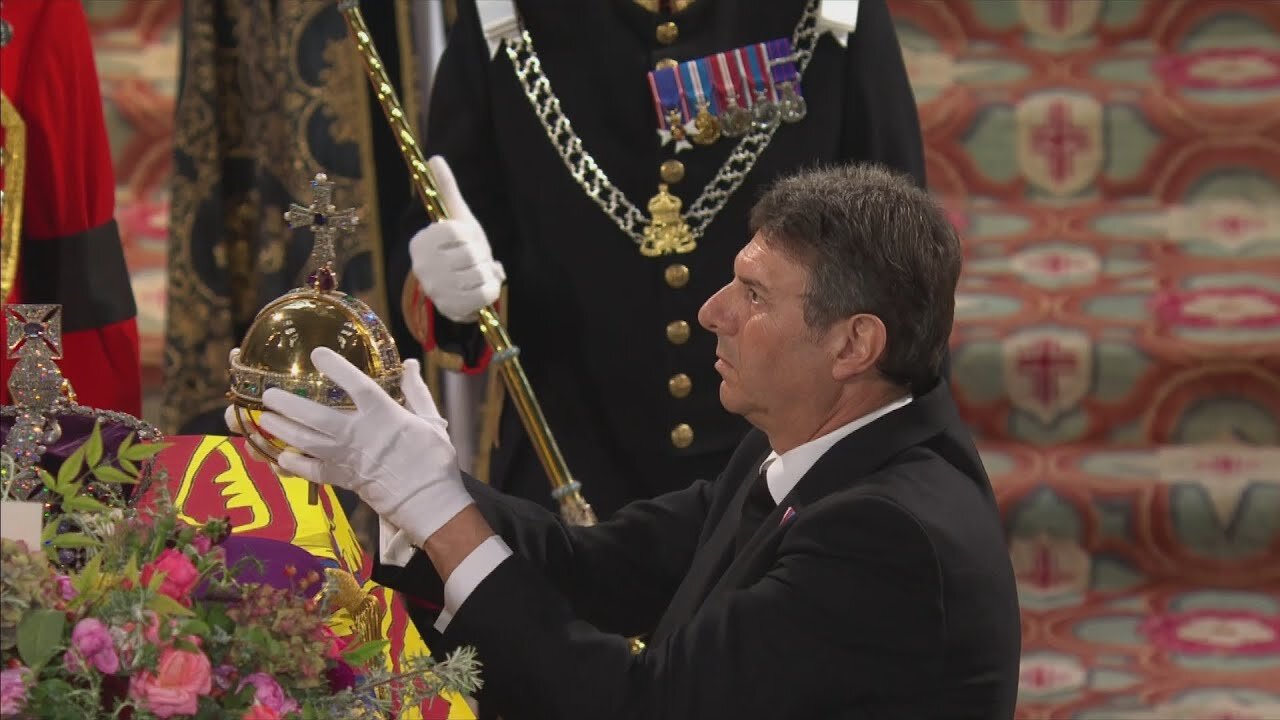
675, 122
735, 120
764, 111
664, 229
706, 125
752, 89
782, 66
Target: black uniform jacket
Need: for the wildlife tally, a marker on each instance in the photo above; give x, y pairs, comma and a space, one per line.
589, 312
880, 587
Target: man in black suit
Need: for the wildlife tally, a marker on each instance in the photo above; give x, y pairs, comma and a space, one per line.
849, 562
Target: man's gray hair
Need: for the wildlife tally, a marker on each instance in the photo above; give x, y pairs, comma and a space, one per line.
875, 243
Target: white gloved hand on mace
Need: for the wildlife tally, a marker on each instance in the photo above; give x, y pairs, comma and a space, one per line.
452, 258
399, 461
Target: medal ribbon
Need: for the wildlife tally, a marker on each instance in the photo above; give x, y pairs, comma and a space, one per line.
724, 79
756, 68
760, 75
782, 64
705, 83
748, 88
665, 86
691, 75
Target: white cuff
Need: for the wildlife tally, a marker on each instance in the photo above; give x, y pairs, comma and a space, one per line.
469, 574
394, 546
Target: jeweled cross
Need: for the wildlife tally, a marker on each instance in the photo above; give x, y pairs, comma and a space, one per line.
325, 220
33, 330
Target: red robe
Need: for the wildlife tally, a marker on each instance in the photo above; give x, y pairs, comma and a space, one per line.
70, 248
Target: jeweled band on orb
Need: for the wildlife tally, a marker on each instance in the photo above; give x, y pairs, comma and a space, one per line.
248, 384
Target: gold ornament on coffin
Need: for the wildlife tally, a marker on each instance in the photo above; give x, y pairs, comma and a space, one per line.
276, 351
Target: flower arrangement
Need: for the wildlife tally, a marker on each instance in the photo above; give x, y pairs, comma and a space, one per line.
150, 619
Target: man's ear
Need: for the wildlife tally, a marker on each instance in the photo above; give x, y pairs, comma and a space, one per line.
857, 343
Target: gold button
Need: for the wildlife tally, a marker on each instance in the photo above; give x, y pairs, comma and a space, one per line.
672, 171
665, 63
678, 332
667, 33
677, 275
679, 385
682, 436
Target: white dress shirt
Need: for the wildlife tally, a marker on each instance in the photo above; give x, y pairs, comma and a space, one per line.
782, 472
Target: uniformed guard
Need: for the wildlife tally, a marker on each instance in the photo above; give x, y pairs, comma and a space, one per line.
60, 243
611, 150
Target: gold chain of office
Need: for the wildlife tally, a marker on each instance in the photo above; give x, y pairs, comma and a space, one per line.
582, 166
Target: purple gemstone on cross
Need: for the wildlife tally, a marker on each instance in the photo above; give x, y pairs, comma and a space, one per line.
33, 329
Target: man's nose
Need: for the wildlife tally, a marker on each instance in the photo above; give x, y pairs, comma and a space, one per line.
709, 315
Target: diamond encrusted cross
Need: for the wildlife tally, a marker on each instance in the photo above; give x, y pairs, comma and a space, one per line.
324, 219
33, 330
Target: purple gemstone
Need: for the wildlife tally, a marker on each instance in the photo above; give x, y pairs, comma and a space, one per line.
33, 329
319, 219
324, 279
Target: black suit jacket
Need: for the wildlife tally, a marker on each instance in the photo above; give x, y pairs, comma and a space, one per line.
588, 311
887, 593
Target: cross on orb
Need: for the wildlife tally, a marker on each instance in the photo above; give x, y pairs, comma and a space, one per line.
325, 221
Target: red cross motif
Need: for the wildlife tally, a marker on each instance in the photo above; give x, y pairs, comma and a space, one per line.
1054, 263
1040, 676
34, 330
1043, 572
1044, 363
1224, 464
1236, 225
1059, 14
1059, 139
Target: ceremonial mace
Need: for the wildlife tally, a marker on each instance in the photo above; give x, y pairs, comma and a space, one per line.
567, 491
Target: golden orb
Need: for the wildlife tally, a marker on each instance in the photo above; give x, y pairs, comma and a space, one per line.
276, 351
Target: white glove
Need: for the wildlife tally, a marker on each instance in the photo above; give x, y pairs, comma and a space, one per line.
398, 460
234, 425
452, 258
410, 383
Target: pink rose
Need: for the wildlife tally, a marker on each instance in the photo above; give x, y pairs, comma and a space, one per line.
13, 691
180, 575
261, 712
181, 677
66, 589
268, 693
91, 643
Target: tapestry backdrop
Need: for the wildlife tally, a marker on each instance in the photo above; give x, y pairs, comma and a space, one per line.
1114, 168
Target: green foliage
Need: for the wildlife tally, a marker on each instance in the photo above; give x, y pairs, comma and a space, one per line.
137, 574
